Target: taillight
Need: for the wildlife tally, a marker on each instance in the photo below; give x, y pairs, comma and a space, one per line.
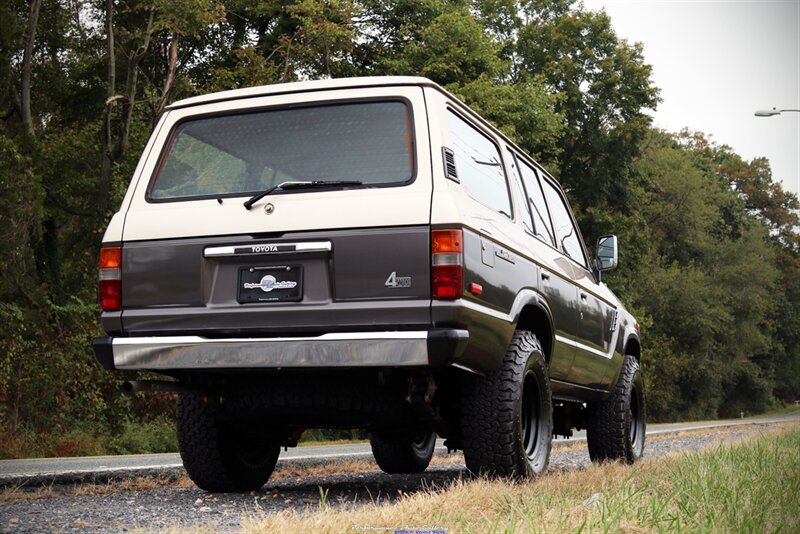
110, 286
447, 271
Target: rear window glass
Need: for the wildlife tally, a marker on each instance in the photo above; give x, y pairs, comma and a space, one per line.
230, 155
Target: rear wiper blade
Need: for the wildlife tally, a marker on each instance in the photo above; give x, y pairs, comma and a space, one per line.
298, 185
320, 183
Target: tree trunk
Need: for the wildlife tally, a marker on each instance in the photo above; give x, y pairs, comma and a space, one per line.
107, 164
173, 62
130, 91
27, 61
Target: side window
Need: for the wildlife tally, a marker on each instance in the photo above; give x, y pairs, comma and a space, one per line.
526, 218
565, 230
542, 227
479, 166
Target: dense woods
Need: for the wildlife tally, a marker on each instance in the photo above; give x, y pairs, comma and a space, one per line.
710, 251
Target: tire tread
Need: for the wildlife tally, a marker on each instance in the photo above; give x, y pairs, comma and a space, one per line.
489, 415
203, 451
607, 433
397, 455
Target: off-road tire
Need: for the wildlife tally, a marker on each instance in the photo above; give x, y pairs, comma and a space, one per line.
403, 454
616, 426
507, 416
221, 456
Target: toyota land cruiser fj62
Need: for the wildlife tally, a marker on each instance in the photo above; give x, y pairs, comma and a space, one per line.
362, 253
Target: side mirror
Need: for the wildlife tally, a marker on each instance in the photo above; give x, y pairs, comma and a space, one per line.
606, 257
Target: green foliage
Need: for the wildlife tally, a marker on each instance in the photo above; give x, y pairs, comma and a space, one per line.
248, 68
523, 111
143, 438
710, 252
708, 284
453, 49
21, 211
606, 89
134, 437
333, 434
186, 17
708, 488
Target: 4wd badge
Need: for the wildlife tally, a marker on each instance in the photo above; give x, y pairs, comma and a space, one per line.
396, 282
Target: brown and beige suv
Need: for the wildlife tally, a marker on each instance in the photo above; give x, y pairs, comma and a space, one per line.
362, 253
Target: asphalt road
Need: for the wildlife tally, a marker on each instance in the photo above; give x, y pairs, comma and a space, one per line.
98, 468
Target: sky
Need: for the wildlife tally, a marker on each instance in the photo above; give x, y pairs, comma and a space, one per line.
717, 62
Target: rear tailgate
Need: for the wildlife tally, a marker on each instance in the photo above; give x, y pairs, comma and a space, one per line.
315, 282
297, 262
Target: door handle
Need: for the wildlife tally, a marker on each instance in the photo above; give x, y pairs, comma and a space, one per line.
545, 276
583, 296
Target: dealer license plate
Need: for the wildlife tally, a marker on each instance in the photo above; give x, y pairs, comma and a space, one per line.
279, 283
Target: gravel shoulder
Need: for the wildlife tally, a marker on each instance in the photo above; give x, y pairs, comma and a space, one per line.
171, 501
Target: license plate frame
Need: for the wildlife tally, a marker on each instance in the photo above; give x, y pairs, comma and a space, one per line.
270, 283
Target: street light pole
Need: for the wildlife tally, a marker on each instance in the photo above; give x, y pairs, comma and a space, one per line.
773, 111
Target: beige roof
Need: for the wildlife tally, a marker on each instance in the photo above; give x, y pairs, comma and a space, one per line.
298, 87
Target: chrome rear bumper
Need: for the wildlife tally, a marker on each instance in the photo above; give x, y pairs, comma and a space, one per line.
352, 349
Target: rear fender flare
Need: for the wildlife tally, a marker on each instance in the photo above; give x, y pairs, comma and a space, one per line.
629, 345
528, 299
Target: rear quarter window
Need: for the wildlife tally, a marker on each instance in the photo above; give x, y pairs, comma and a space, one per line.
478, 165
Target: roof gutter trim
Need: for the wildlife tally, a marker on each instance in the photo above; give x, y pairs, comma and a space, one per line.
271, 90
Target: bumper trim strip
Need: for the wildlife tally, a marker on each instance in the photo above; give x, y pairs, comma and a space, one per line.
354, 349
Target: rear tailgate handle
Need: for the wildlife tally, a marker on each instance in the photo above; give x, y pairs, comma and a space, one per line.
264, 249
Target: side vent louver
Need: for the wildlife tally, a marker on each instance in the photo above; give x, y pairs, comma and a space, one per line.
450, 164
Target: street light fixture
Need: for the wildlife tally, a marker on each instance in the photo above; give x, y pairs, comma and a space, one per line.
773, 111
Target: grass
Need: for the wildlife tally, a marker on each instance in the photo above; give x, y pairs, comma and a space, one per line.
133, 438
749, 486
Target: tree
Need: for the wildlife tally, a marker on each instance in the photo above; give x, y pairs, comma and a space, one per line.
452, 50
606, 88
708, 284
27, 62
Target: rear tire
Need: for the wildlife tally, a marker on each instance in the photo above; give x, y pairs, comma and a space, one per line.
220, 456
507, 416
616, 426
401, 454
